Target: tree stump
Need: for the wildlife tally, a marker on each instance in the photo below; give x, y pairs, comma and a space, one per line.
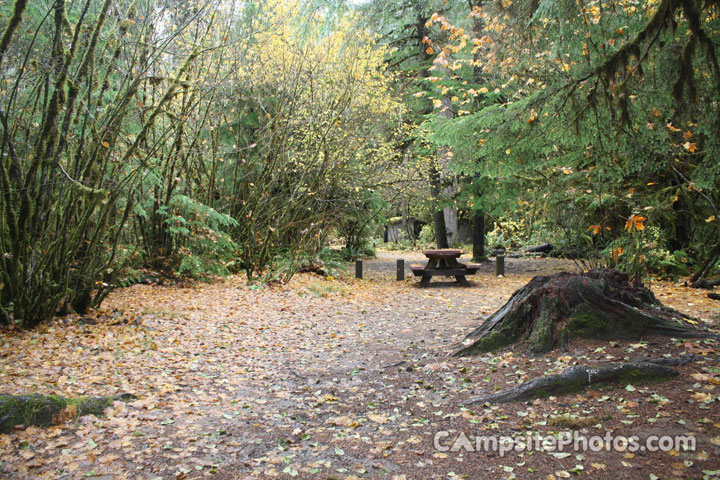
601, 304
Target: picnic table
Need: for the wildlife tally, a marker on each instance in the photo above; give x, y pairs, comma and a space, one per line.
444, 263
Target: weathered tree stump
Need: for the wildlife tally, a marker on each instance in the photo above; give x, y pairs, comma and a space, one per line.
601, 304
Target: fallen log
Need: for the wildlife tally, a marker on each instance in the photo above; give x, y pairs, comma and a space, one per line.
46, 410
543, 248
577, 378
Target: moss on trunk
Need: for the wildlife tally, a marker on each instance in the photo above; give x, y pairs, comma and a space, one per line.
550, 311
44, 410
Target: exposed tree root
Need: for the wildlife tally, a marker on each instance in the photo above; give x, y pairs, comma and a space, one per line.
704, 283
577, 378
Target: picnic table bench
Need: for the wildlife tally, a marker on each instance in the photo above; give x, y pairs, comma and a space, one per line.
444, 263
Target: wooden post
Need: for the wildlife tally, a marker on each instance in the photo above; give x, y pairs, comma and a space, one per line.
400, 269
499, 264
358, 269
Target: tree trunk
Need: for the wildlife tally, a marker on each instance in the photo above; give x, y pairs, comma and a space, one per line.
409, 227
479, 236
450, 215
479, 215
440, 233
698, 280
438, 215
445, 155
434, 174
551, 310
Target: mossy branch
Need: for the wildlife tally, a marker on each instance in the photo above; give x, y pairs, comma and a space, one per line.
45, 410
639, 47
18, 10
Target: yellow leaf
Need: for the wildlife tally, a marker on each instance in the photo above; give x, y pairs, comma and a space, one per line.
106, 144
635, 221
710, 219
703, 397
378, 418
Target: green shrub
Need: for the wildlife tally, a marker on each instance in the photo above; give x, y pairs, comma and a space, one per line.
506, 233
326, 262
427, 234
644, 252
349, 254
203, 248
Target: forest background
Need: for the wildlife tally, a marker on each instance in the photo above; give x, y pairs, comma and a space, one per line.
205, 138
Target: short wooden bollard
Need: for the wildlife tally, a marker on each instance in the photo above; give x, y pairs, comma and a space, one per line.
499, 265
400, 270
358, 269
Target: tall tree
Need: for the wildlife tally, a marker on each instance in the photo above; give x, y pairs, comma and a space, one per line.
592, 134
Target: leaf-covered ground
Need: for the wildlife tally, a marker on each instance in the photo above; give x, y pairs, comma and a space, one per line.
337, 378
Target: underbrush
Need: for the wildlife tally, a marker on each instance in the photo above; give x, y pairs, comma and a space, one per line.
326, 262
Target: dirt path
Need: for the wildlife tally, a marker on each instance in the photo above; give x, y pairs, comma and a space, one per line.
332, 379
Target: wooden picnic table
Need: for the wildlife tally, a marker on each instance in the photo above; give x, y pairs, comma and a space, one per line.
444, 263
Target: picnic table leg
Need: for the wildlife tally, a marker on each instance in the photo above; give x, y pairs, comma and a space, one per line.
425, 281
462, 280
